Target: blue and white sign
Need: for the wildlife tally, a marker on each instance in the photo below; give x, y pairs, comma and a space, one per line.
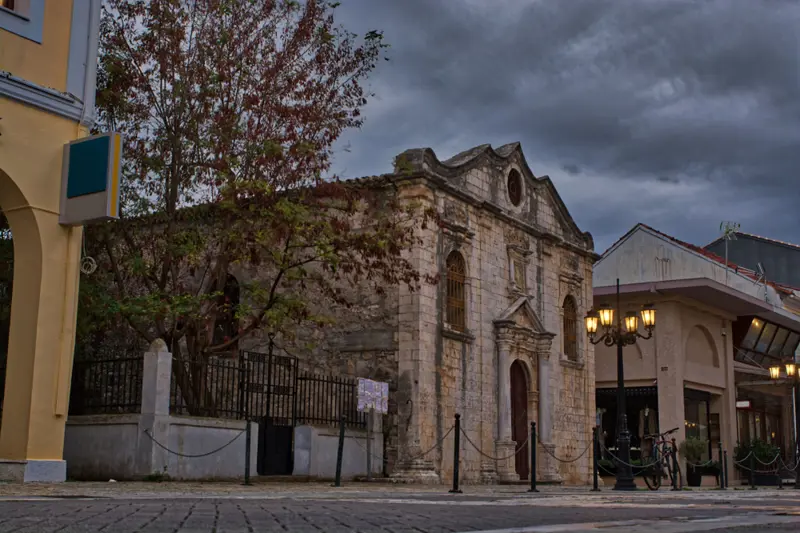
373, 395
90, 179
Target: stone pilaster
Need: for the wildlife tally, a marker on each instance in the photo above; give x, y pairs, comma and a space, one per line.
504, 445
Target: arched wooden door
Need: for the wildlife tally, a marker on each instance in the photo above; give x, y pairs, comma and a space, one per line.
519, 417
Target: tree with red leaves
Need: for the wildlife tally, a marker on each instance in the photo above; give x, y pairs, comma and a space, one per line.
229, 111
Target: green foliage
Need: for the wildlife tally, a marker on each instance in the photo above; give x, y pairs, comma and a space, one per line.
693, 448
229, 111
762, 450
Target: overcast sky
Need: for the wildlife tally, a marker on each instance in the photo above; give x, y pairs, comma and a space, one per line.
678, 114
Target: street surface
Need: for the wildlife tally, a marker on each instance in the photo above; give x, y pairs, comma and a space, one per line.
219, 508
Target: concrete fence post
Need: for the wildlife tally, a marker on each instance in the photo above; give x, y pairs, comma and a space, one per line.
154, 419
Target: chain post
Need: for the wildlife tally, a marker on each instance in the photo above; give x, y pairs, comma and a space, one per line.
725, 468
247, 445
533, 459
752, 471
675, 467
339, 454
456, 455
595, 453
721, 468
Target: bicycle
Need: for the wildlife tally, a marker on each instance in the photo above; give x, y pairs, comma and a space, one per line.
660, 461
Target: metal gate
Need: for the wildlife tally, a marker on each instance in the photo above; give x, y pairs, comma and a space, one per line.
271, 386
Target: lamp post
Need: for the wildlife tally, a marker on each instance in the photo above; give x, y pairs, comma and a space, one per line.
793, 377
613, 334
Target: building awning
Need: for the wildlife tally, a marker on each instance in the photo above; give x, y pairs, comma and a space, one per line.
709, 292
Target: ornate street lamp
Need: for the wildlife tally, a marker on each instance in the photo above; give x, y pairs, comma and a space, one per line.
614, 335
793, 378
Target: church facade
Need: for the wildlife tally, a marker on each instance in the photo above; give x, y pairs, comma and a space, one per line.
499, 340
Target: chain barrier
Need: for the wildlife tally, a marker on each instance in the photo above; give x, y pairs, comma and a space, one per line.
551, 454
438, 443
371, 454
746, 457
193, 456
700, 465
775, 459
648, 465
794, 468
521, 447
748, 469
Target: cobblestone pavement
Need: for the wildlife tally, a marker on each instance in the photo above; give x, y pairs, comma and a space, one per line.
221, 508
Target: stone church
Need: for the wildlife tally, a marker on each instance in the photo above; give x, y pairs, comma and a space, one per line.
499, 340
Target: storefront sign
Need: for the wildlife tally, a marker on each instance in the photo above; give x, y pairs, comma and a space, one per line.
90, 179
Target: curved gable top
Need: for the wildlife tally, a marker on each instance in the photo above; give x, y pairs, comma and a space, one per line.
425, 160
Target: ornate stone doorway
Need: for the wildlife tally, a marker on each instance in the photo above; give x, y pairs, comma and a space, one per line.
519, 417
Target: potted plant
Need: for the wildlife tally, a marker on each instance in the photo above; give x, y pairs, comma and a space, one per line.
764, 455
692, 450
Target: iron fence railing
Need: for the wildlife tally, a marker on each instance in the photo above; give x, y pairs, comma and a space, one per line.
107, 386
324, 399
208, 388
261, 387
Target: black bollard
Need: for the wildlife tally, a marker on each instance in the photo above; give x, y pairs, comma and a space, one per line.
752, 472
725, 468
721, 468
339, 454
533, 459
456, 455
595, 453
675, 467
247, 453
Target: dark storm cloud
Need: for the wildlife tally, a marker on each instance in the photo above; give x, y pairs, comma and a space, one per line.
674, 113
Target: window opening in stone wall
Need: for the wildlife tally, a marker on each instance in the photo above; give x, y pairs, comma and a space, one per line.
227, 325
570, 328
514, 187
519, 274
456, 277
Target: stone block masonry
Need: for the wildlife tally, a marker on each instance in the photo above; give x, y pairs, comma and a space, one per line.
505, 366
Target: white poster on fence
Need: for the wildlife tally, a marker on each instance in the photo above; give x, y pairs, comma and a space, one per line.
373, 395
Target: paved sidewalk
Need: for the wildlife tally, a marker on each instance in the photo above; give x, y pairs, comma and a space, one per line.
272, 490
382, 508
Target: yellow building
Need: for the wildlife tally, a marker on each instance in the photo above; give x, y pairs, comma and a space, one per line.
48, 53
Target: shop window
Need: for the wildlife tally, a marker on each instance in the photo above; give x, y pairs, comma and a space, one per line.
696, 416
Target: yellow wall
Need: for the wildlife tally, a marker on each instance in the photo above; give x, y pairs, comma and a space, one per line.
46, 63
46, 254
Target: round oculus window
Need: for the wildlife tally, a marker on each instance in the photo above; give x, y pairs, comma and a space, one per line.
514, 187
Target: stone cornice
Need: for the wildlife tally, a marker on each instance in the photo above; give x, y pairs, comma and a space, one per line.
465, 196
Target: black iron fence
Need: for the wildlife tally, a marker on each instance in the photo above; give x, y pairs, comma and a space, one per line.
324, 399
107, 386
254, 385
208, 388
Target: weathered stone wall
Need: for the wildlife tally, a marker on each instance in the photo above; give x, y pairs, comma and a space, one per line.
458, 371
